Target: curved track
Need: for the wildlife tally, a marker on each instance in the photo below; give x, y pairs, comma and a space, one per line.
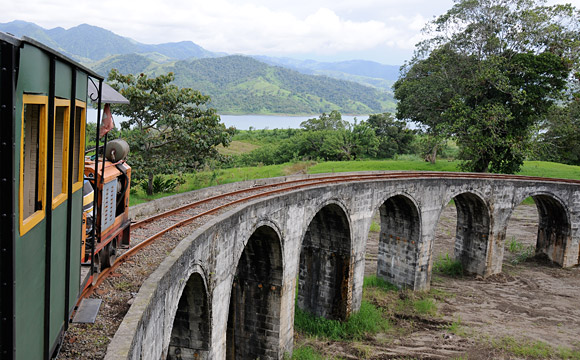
236, 197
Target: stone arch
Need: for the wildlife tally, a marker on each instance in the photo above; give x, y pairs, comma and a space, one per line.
191, 334
399, 240
554, 226
325, 265
472, 231
253, 327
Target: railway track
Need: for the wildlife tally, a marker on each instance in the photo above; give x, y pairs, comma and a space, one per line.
188, 213
118, 286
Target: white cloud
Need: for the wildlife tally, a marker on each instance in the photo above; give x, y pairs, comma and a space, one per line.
270, 27
225, 25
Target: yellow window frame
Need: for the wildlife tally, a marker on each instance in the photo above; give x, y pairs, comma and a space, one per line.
62, 196
78, 183
32, 220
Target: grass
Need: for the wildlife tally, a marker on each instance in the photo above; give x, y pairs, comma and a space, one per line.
529, 201
123, 286
447, 266
305, 353
456, 327
550, 170
533, 349
425, 306
530, 168
528, 253
375, 227
237, 148
299, 167
372, 165
415, 304
376, 282
521, 251
368, 320
515, 246
212, 177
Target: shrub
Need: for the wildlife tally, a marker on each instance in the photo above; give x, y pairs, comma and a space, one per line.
161, 184
514, 246
368, 320
448, 266
305, 353
425, 306
376, 282
522, 251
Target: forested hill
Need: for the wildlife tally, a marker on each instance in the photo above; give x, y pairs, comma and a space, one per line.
242, 85
361, 71
237, 84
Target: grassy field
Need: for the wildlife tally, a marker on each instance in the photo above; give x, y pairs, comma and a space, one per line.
223, 176
236, 148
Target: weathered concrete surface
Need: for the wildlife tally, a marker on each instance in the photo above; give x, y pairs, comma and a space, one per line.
328, 227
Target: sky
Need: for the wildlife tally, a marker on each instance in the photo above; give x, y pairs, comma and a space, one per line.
385, 31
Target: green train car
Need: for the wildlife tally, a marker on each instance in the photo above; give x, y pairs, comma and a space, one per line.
43, 108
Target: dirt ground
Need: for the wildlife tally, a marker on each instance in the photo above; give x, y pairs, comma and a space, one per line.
530, 301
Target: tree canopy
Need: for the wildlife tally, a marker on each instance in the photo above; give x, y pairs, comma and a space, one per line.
332, 121
170, 129
393, 135
488, 73
561, 140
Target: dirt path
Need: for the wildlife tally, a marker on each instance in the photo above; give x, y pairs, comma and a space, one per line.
528, 302
532, 299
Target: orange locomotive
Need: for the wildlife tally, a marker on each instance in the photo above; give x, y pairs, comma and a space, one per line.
112, 220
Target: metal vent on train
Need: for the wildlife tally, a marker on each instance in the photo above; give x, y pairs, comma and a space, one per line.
109, 204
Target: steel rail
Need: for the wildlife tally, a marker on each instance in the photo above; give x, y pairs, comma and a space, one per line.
295, 184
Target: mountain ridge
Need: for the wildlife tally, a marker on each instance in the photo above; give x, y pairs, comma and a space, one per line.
242, 85
257, 84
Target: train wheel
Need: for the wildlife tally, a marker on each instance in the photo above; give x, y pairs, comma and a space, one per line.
109, 254
112, 252
96, 268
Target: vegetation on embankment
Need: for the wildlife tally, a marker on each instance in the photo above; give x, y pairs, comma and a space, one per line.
389, 316
212, 177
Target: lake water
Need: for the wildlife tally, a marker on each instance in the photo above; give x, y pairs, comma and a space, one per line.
243, 122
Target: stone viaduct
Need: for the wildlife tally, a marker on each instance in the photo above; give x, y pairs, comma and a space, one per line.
228, 291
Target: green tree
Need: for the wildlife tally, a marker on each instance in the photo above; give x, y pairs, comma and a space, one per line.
393, 135
170, 129
428, 145
332, 121
488, 73
561, 140
356, 141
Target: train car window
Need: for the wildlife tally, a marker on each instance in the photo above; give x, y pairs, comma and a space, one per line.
78, 146
32, 161
60, 150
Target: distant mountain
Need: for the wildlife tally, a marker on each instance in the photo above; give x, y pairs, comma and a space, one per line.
236, 84
243, 85
126, 64
87, 43
362, 71
20, 28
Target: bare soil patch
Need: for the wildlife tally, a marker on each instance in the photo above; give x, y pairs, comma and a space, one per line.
530, 301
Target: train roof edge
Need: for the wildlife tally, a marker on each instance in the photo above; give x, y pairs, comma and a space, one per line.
15, 41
